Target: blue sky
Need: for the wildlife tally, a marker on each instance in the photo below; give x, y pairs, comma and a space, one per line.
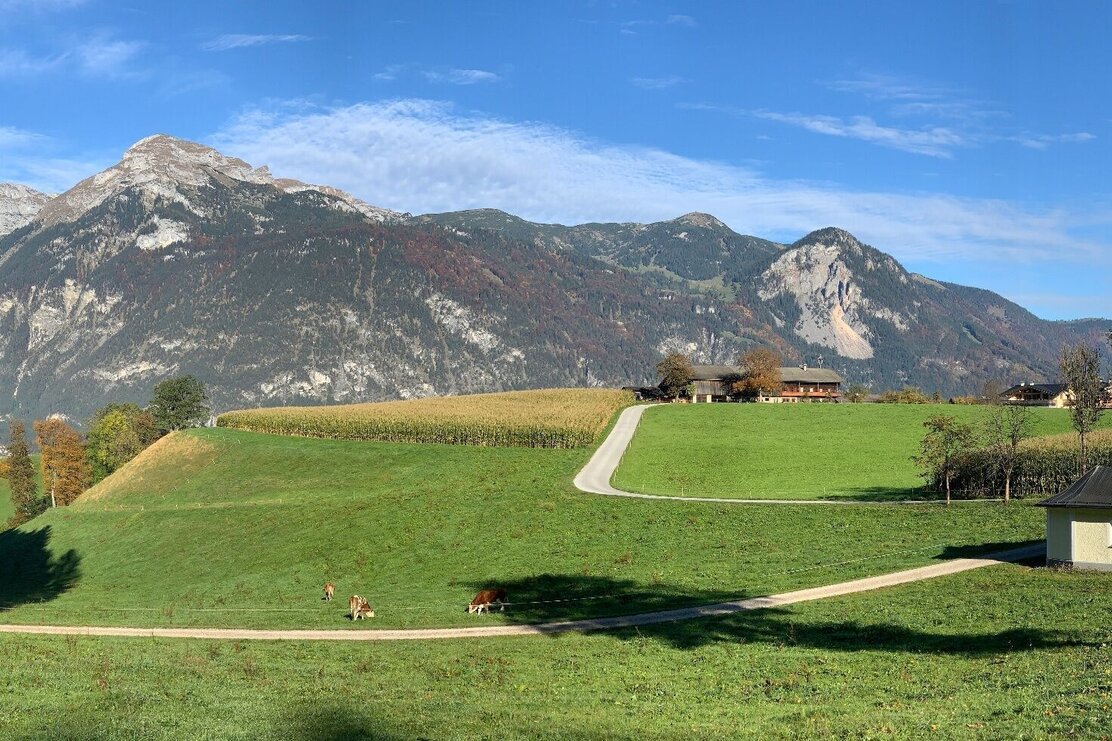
970, 140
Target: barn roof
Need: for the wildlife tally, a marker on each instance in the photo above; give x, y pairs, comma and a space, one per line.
809, 375
1094, 489
1050, 389
791, 374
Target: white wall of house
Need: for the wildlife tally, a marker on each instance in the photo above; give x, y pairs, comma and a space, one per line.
1079, 536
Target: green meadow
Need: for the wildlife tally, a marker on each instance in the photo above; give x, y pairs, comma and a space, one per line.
227, 528
1005, 652
219, 527
792, 451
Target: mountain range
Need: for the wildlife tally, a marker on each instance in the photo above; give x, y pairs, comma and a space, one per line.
179, 259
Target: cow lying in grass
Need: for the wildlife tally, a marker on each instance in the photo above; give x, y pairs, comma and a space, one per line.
329, 591
486, 598
358, 607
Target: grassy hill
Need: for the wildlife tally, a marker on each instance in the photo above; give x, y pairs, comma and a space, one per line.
804, 451
221, 527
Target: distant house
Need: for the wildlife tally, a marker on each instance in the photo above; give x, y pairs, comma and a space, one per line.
1079, 523
1038, 395
800, 383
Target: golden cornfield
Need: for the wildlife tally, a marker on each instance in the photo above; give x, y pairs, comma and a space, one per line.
548, 418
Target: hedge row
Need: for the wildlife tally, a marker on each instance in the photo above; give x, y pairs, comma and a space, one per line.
1046, 466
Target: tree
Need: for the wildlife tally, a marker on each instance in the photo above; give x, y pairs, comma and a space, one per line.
21, 477
675, 374
857, 393
179, 403
1006, 427
118, 433
992, 391
760, 373
65, 469
945, 439
1080, 368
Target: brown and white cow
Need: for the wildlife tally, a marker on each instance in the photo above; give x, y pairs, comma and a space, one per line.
358, 607
486, 598
329, 591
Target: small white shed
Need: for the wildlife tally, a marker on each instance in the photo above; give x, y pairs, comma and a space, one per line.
1079, 523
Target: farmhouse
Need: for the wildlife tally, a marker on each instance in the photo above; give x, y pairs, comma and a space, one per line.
1079, 523
1038, 395
800, 383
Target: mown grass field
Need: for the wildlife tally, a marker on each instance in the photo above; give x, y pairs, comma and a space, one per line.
546, 418
1005, 652
220, 527
791, 451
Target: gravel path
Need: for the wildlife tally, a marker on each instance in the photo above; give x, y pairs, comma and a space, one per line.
953, 566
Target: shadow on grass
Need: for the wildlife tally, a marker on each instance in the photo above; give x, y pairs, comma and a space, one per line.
333, 721
982, 549
890, 494
550, 598
29, 572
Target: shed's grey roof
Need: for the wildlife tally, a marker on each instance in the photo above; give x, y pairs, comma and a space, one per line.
1094, 489
791, 374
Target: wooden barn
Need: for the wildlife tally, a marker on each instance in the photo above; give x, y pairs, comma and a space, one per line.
800, 383
1079, 523
1038, 395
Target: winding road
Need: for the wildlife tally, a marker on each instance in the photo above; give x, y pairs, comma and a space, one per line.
594, 479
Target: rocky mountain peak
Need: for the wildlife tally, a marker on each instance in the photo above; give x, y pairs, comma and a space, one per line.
699, 219
163, 166
830, 236
18, 206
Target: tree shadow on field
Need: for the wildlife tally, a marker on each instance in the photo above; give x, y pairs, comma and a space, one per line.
333, 721
535, 600
29, 572
980, 550
889, 494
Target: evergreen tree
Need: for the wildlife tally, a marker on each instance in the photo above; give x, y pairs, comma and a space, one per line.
21, 477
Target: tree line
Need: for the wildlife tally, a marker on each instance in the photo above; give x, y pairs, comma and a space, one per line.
70, 463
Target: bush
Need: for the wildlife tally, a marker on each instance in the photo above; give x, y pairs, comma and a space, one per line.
906, 395
1046, 466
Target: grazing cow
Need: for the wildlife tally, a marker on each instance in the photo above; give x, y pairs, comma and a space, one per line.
486, 598
358, 607
329, 591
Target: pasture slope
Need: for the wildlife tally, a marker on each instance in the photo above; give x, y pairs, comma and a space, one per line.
225, 528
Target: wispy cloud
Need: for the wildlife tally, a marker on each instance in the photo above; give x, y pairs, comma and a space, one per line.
1042, 141
18, 63
682, 20
389, 74
425, 156
242, 40
13, 138
657, 83
462, 76
105, 56
935, 141
45, 5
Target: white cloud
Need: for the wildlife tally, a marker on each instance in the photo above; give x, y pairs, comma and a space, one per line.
657, 83
682, 20
18, 63
1042, 141
103, 56
461, 76
425, 156
936, 141
13, 138
242, 40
